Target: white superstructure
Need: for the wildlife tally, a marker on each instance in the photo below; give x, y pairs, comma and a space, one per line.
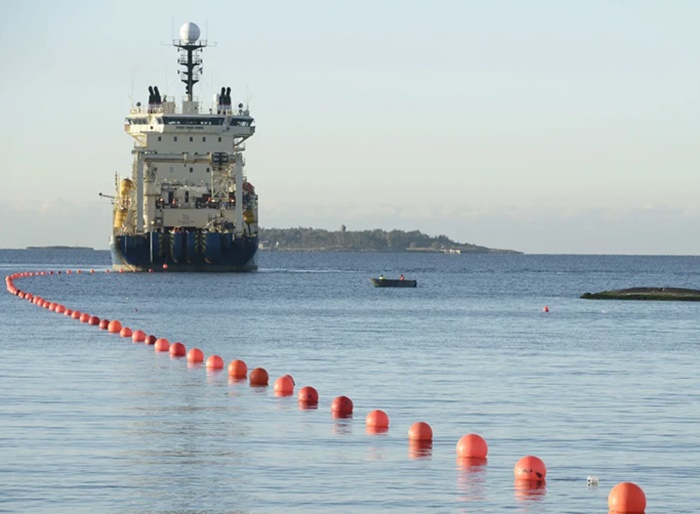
188, 165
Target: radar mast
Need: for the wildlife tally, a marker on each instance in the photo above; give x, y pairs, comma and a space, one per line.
190, 57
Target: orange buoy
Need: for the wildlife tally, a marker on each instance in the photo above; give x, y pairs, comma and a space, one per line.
51, 306
104, 323
308, 396
545, 309
84, 317
259, 377
291, 378
237, 369
627, 498
60, 309
125, 332
214, 362
139, 336
341, 406
79, 271
162, 345
68, 312
420, 431
94, 320
114, 326
150, 340
75, 314
195, 355
177, 350
530, 468
472, 446
284, 386
165, 266
377, 419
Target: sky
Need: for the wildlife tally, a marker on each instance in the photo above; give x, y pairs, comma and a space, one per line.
544, 126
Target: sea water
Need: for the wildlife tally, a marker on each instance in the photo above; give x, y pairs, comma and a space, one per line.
91, 422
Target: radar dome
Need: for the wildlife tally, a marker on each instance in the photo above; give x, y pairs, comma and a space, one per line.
189, 32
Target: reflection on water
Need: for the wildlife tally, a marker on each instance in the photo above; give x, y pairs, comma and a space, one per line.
418, 450
376, 430
529, 490
471, 479
342, 426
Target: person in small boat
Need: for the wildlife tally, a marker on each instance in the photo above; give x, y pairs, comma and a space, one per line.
381, 277
401, 277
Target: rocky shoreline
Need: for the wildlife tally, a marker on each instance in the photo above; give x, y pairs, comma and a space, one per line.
646, 293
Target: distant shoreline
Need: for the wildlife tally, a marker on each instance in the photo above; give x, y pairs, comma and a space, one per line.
59, 247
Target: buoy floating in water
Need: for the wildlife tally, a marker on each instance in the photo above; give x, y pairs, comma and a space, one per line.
237, 369
377, 419
420, 431
627, 498
259, 377
284, 386
341, 407
195, 355
177, 350
139, 336
161, 345
125, 332
530, 468
472, 446
104, 324
93, 320
114, 326
215, 362
308, 396
545, 309
150, 339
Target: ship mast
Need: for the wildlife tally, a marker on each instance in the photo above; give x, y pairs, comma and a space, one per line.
190, 56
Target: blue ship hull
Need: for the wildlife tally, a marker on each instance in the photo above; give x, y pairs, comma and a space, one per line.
184, 251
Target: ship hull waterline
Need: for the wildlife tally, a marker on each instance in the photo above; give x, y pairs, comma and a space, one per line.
186, 252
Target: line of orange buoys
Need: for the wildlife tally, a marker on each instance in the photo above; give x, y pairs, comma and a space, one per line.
530, 472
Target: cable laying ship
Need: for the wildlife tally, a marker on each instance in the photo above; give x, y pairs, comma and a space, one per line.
188, 205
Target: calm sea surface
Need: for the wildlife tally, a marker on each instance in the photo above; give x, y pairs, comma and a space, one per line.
91, 422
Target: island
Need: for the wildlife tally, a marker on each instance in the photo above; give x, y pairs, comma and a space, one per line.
646, 293
377, 240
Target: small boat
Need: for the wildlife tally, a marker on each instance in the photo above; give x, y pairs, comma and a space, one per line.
392, 282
